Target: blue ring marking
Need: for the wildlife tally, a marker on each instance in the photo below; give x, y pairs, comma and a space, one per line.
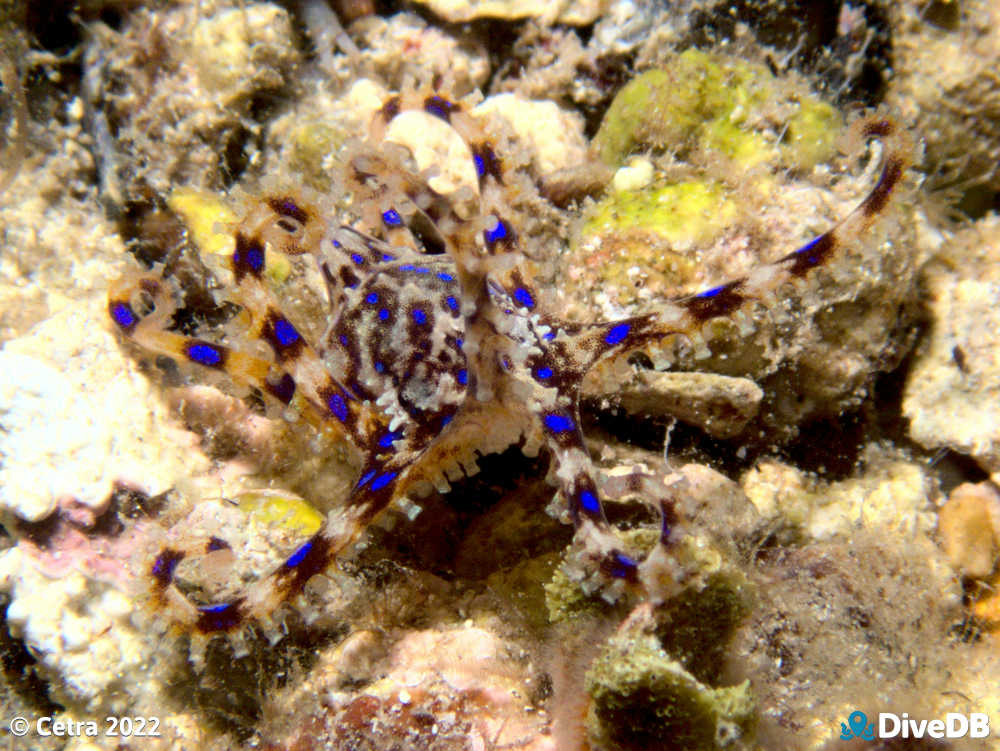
382, 480
388, 439
459, 343
558, 423
299, 555
623, 567
452, 302
336, 243
446, 419
524, 297
439, 107
589, 502
254, 258
383, 314
617, 333
221, 607
343, 339
495, 235
407, 267
379, 367
712, 292
813, 259
422, 270
357, 258
284, 390
444, 276
392, 218
420, 317
204, 354
387, 257
372, 298
285, 332
365, 478
549, 336
543, 373
809, 245
123, 315
337, 406
463, 376
480, 164
215, 543
165, 564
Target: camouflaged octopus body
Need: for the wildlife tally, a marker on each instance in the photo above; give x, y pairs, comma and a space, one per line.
431, 360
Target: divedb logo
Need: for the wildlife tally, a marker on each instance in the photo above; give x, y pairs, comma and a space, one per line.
890, 725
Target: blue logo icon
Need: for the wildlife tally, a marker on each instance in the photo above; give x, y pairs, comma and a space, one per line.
859, 727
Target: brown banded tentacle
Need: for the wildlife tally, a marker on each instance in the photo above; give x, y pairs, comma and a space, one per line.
330, 400
688, 315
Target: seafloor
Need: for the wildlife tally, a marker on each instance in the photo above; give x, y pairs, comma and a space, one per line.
837, 450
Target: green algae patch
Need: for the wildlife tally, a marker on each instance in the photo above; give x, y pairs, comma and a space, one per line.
682, 214
205, 216
706, 102
812, 133
281, 508
651, 231
312, 143
697, 625
644, 699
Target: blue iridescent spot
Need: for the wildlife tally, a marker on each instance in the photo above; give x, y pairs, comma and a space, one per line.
544, 373
357, 258
549, 336
558, 423
444, 276
463, 376
253, 257
814, 258
452, 302
336, 243
387, 440
204, 354
524, 297
383, 314
480, 164
407, 267
343, 339
379, 367
123, 315
459, 343
166, 563
622, 567
712, 292
392, 218
446, 419
422, 270
439, 107
299, 555
285, 333
366, 477
222, 607
387, 257
589, 502
372, 298
496, 234
382, 480
337, 406
617, 333
420, 317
